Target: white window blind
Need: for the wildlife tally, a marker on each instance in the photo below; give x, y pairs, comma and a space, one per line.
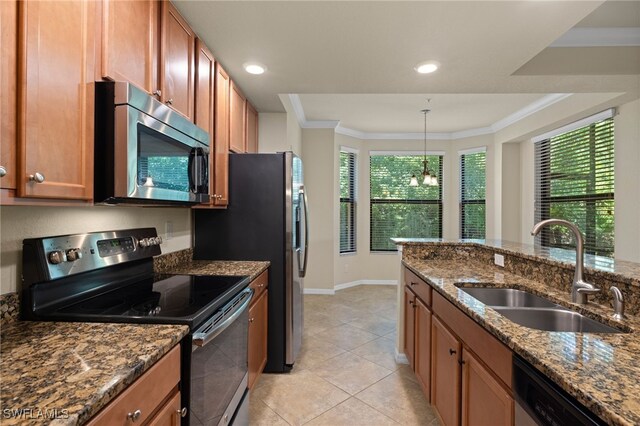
472, 195
575, 181
399, 210
347, 202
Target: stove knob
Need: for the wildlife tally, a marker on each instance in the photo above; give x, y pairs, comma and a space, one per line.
73, 255
55, 257
144, 242
158, 240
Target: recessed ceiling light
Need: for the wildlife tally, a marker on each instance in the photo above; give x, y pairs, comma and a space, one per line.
426, 67
254, 68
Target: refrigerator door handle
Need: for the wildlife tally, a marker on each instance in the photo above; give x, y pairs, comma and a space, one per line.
303, 198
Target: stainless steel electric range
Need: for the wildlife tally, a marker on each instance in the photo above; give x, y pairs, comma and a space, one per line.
109, 277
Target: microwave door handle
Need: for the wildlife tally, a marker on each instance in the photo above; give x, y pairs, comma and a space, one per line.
190, 170
202, 339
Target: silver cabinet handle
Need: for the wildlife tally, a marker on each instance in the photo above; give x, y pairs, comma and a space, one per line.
3, 171
36, 177
134, 416
182, 412
169, 101
157, 93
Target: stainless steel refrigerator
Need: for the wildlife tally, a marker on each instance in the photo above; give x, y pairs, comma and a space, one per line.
266, 220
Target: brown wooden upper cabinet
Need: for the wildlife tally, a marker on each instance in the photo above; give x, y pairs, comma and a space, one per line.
220, 166
237, 115
8, 85
149, 44
55, 118
205, 89
252, 128
177, 61
130, 42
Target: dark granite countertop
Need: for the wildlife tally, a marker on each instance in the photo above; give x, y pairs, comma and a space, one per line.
599, 370
220, 267
72, 370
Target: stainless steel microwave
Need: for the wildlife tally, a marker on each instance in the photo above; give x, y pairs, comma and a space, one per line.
145, 152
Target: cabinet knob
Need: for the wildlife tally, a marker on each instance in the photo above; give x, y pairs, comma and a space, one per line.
412, 283
3, 171
157, 93
169, 101
251, 319
452, 351
182, 412
134, 416
36, 177
218, 197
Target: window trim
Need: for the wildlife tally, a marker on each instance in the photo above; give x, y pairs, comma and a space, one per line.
351, 201
439, 201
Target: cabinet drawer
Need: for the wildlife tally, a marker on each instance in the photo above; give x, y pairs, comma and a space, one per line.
418, 286
145, 394
490, 350
259, 285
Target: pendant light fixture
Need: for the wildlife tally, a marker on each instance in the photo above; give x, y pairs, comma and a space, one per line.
428, 178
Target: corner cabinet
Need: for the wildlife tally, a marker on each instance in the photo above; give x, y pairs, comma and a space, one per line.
153, 399
258, 322
463, 370
55, 115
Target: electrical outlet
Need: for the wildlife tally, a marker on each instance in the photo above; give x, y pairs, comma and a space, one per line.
168, 230
498, 259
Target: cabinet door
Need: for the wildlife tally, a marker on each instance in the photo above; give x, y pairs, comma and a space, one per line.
130, 42
169, 414
445, 373
55, 146
205, 89
220, 187
237, 142
8, 84
257, 337
484, 401
409, 325
423, 346
252, 128
177, 61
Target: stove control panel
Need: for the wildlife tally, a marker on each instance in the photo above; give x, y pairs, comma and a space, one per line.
66, 255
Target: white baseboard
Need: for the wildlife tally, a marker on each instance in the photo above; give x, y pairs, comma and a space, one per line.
328, 291
401, 358
323, 291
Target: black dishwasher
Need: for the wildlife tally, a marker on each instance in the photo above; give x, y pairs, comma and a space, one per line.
539, 401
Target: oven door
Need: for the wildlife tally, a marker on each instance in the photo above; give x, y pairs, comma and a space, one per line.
156, 162
219, 366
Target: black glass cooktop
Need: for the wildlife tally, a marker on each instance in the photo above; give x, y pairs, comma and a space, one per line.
183, 299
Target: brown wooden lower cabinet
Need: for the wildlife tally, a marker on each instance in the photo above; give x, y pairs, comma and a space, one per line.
422, 346
258, 322
445, 373
409, 325
153, 398
484, 401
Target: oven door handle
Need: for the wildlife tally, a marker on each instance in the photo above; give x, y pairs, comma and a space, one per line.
202, 338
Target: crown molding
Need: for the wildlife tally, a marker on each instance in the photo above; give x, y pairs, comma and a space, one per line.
599, 37
528, 110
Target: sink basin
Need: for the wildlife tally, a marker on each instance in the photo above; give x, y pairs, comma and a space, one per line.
554, 320
508, 297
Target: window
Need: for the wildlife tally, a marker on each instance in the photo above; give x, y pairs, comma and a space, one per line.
400, 210
347, 202
472, 194
574, 181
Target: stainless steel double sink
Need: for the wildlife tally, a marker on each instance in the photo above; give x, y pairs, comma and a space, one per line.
530, 310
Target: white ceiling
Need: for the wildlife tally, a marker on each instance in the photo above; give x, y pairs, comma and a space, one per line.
353, 61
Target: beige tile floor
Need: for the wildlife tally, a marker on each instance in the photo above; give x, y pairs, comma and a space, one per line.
346, 373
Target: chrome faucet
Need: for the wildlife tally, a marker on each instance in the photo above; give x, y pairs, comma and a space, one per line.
580, 289
618, 303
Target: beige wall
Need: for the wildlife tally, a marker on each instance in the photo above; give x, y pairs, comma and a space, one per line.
19, 222
272, 132
511, 205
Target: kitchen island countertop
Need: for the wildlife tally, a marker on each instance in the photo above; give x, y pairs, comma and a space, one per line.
63, 373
